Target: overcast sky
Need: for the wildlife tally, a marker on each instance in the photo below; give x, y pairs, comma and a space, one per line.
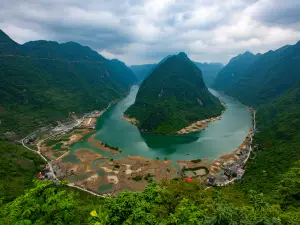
145, 31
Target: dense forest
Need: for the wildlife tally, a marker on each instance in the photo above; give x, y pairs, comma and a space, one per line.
43, 81
172, 97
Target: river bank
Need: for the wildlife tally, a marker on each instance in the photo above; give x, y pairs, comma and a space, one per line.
133, 121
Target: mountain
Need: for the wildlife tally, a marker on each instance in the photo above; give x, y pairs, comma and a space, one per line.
270, 76
142, 71
262, 79
172, 97
7, 45
42, 81
271, 83
233, 70
209, 71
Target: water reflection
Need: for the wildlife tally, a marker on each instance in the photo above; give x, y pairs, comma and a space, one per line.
161, 141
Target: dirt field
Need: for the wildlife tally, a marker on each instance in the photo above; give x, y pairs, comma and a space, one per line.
61, 144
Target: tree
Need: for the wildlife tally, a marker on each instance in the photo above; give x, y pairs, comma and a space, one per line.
46, 203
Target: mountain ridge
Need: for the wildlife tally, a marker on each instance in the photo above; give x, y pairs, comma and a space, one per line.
45, 80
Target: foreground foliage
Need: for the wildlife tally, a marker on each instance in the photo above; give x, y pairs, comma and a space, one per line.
18, 167
175, 202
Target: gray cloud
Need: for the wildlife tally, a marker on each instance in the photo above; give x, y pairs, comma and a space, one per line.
145, 31
279, 12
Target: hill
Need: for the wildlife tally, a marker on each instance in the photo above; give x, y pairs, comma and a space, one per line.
42, 81
209, 71
172, 97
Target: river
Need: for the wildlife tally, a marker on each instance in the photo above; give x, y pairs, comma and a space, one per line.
222, 136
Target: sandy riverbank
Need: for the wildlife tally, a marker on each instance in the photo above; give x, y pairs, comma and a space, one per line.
133, 121
199, 125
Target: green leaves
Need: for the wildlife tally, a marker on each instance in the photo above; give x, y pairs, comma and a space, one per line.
43, 204
94, 213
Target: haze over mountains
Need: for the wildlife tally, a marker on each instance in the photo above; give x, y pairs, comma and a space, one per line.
209, 71
172, 97
43, 81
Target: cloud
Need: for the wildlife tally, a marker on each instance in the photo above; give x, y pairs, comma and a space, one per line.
145, 31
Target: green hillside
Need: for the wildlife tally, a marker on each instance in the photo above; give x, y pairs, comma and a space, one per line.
45, 81
269, 77
277, 143
233, 70
18, 168
172, 97
263, 79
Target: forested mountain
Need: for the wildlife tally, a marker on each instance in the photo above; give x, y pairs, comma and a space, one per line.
172, 97
7, 45
209, 71
270, 76
233, 70
42, 81
272, 85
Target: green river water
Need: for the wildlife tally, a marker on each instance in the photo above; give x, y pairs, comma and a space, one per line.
222, 136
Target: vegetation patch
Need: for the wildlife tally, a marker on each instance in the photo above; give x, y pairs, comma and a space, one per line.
58, 146
138, 178
196, 160
51, 142
111, 147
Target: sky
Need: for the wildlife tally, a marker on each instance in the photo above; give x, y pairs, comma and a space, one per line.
145, 31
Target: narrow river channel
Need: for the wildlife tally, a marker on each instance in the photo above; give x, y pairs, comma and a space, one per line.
219, 137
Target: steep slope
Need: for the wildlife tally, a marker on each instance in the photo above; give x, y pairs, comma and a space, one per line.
209, 71
275, 167
172, 97
48, 80
7, 45
268, 77
234, 70
18, 168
